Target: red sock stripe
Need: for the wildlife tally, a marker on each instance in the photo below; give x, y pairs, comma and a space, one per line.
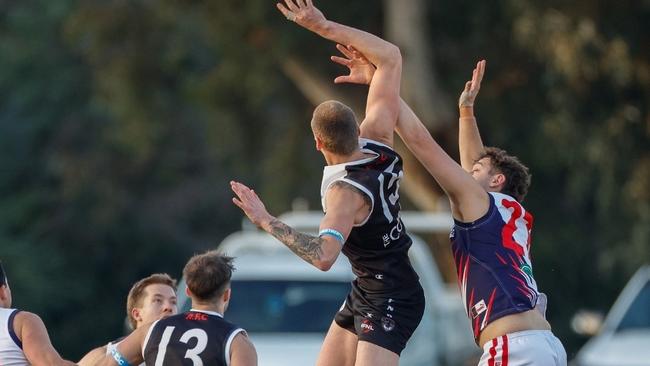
504, 355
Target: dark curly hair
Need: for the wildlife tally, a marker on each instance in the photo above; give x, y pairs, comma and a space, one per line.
516, 173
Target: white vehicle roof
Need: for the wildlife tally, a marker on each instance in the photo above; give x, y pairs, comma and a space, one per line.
259, 253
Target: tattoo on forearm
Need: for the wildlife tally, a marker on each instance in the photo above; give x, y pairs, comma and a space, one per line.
307, 247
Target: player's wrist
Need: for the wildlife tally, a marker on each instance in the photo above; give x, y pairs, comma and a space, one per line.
324, 28
466, 111
266, 223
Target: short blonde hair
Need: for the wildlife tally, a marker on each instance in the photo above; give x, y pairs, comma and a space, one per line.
137, 293
336, 126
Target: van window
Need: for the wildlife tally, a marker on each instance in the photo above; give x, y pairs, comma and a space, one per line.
285, 306
638, 314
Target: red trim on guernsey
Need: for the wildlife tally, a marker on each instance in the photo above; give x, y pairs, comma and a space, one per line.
504, 355
501, 258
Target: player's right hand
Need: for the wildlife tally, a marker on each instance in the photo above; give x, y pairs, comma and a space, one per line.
250, 203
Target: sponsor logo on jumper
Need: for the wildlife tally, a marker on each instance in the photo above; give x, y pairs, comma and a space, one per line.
396, 231
379, 276
478, 309
386, 239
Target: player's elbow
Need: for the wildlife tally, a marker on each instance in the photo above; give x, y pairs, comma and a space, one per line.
324, 265
391, 56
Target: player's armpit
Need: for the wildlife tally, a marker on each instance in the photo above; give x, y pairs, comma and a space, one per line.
242, 351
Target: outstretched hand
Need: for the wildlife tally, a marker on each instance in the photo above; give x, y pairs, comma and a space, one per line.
361, 70
303, 12
472, 87
250, 203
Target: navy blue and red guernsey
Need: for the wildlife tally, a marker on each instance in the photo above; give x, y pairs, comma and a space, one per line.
492, 256
196, 337
378, 247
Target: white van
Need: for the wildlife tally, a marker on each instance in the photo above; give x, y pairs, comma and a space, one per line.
287, 306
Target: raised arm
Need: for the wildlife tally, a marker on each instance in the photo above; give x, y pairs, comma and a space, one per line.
320, 251
382, 105
468, 199
36, 343
469, 138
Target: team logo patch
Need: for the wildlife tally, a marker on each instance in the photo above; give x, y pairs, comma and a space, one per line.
478, 309
366, 326
387, 323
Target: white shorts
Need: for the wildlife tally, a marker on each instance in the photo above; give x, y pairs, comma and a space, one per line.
530, 348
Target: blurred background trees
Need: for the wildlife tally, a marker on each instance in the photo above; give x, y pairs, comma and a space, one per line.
122, 122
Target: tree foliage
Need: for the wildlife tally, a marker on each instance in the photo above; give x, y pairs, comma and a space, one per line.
122, 122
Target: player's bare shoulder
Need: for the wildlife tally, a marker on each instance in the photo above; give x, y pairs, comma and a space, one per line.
346, 191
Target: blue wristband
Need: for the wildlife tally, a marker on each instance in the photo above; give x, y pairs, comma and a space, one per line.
331, 232
117, 356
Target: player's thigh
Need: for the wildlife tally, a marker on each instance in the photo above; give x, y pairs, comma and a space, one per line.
369, 354
339, 347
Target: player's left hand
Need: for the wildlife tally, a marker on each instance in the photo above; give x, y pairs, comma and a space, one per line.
361, 70
472, 87
250, 203
304, 13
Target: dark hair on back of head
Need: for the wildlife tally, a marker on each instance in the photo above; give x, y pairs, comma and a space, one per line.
207, 275
516, 173
3, 275
336, 126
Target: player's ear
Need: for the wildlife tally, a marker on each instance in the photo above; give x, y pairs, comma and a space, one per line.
188, 292
497, 180
226, 295
135, 314
319, 143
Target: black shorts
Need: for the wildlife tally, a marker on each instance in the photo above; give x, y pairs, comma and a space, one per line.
386, 320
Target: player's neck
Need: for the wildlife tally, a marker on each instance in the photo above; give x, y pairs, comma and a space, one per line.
334, 159
217, 308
